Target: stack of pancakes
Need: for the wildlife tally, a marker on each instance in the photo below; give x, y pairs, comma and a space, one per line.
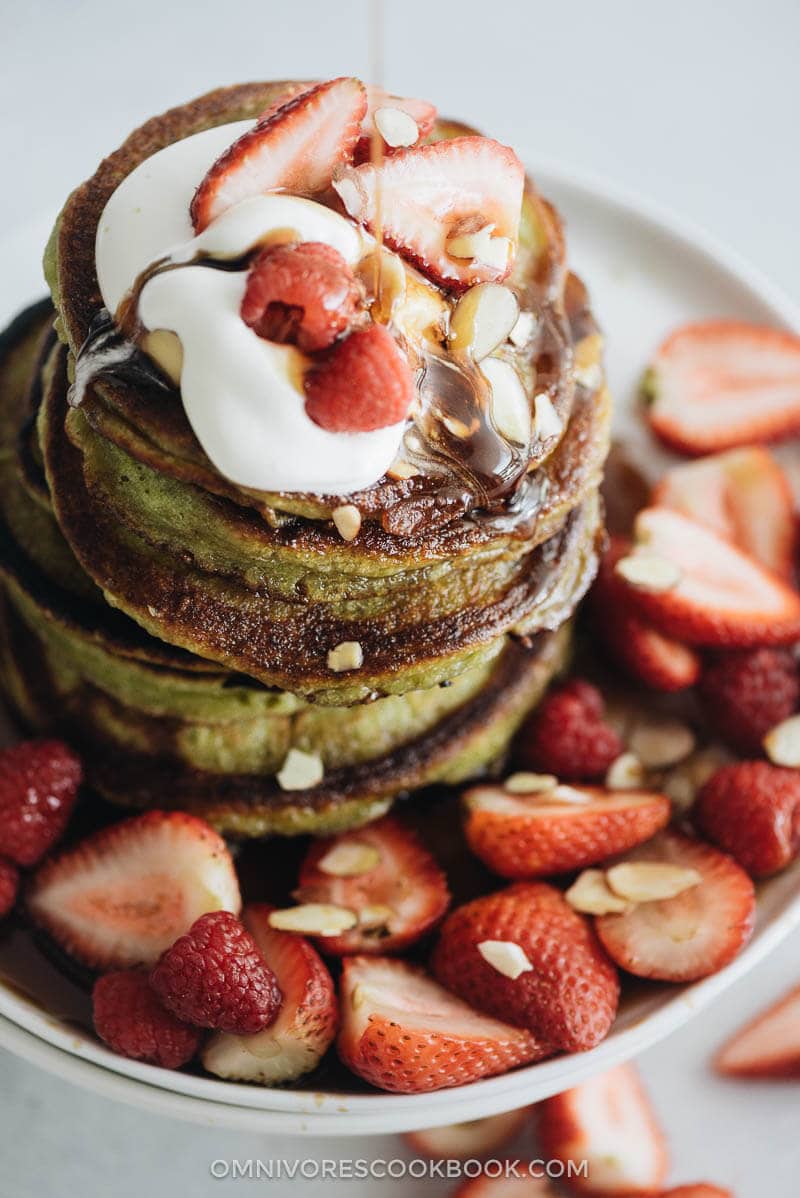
178, 628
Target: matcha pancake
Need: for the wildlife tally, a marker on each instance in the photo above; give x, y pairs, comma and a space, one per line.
438, 571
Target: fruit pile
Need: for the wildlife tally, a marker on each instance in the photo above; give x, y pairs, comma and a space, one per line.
624, 843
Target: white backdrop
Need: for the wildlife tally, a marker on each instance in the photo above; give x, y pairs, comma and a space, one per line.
694, 103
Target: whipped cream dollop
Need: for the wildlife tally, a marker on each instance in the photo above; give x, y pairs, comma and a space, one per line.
243, 396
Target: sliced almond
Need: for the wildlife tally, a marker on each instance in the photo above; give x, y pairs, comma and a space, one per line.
567, 794
524, 783
685, 780
591, 894
402, 470
650, 881
375, 916
350, 859
505, 956
300, 770
523, 330
648, 571
346, 656
626, 773
546, 420
782, 743
347, 519
511, 411
482, 246
590, 377
661, 743
396, 127
314, 919
483, 319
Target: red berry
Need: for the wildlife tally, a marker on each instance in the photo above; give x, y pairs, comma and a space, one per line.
39, 782
215, 977
752, 810
567, 737
301, 293
567, 993
364, 383
9, 884
748, 692
132, 1022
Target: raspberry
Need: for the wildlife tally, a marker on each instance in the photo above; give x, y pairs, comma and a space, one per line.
132, 1022
748, 692
752, 811
567, 737
301, 293
39, 782
215, 977
9, 884
364, 383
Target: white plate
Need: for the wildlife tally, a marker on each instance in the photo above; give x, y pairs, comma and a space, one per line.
646, 272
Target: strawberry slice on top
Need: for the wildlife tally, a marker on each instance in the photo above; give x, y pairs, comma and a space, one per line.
383, 873
295, 148
699, 588
768, 1046
743, 495
451, 208
716, 384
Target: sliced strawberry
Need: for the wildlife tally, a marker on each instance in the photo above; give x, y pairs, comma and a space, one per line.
609, 1123
426, 196
696, 1189
529, 836
304, 293
403, 1032
715, 594
296, 148
363, 383
420, 111
717, 384
124, 895
751, 809
506, 1179
632, 642
694, 934
744, 496
524, 955
468, 1141
384, 874
306, 1025
768, 1046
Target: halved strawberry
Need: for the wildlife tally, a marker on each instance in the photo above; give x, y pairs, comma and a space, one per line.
306, 1024
427, 197
506, 1179
403, 1032
524, 955
633, 642
744, 496
420, 111
529, 836
124, 895
295, 148
385, 874
716, 384
694, 934
768, 1046
704, 590
467, 1141
609, 1123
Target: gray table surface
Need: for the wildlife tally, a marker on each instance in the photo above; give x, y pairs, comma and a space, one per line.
694, 103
